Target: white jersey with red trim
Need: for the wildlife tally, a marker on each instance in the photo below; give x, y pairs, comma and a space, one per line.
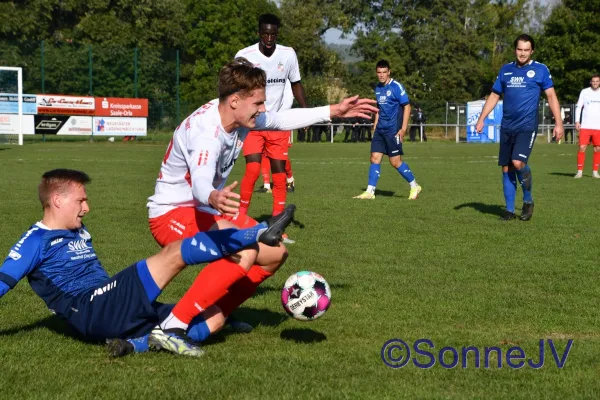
280, 68
589, 99
201, 155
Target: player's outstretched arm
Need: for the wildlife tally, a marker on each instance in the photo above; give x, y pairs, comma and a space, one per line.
353, 107
489, 105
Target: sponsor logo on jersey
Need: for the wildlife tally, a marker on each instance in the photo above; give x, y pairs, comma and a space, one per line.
508, 73
78, 246
275, 80
56, 241
14, 255
517, 80
225, 168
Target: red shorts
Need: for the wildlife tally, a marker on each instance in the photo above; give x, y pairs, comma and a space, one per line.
273, 144
587, 135
185, 222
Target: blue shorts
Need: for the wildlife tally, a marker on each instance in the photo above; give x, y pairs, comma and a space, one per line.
386, 144
515, 146
120, 307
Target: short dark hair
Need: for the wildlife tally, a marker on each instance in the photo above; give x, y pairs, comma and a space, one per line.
595, 76
240, 75
382, 64
59, 180
524, 38
268, 19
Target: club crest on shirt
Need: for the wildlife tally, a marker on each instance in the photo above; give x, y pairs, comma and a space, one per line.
530, 74
388, 93
85, 235
280, 66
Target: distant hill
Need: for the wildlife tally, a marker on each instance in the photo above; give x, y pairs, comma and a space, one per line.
343, 50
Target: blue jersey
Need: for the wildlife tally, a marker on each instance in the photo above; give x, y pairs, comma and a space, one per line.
60, 265
391, 99
522, 87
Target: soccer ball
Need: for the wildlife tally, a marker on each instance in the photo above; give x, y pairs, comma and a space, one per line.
306, 295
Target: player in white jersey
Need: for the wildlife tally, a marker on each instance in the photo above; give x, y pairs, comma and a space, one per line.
281, 66
587, 123
191, 194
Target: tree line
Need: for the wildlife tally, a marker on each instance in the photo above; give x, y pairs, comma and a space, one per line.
442, 50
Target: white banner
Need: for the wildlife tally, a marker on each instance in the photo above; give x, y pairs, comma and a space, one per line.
115, 126
9, 124
77, 126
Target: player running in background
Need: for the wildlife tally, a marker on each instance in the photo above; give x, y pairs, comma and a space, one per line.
521, 82
191, 194
587, 124
57, 257
265, 165
281, 66
389, 130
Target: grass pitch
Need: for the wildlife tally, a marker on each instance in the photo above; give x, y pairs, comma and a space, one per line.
442, 268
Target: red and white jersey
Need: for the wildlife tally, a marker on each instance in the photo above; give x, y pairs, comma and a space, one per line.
281, 67
201, 155
589, 99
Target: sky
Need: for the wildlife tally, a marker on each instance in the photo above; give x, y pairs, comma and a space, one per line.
333, 36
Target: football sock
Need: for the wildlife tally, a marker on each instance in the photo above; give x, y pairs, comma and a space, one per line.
279, 192
243, 289
596, 161
247, 186
288, 170
406, 173
524, 175
210, 285
374, 173
213, 245
265, 167
198, 329
509, 184
581, 160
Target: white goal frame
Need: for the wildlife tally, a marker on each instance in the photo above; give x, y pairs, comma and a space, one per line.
19, 72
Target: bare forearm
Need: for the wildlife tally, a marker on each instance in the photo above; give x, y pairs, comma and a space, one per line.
406, 117
489, 105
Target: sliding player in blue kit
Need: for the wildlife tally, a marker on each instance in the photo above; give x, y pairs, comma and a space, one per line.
521, 82
389, 130
57, 257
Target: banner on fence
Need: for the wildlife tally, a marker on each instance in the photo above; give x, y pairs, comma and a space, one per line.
109, 126
9, 124
121, 107
65, 105
9, 103
491, 125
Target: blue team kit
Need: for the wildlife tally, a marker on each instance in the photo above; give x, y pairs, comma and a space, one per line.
391, 99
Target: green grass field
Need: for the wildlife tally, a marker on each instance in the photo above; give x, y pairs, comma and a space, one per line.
442, 268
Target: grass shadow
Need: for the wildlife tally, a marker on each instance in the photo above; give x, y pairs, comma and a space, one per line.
493, 209
54, 324
302, 335
570, 175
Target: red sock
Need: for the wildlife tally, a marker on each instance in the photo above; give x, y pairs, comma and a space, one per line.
580, 160
210, 286
279, 192
243, 289
265, 166
288, 168
247, 186
596, 161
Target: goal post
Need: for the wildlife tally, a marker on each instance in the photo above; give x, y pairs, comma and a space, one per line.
10, 123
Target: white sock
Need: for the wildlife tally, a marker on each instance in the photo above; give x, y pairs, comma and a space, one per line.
267, 186
371, 189
290, 180
413, 184
173, 322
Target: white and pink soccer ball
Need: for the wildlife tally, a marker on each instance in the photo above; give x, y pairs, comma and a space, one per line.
306, 295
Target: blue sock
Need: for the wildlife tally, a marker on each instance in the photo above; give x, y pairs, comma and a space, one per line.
524, 175
509, 183
213, 245
374, 172
198, 329
406, 173
140, 344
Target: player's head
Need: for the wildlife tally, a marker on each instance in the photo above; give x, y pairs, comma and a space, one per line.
595, 81
383, 71
242, 90
62, 193
268, 30
524, 47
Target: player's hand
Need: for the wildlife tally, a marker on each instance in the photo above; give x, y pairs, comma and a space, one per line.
479, 127
558, 132
577, 126
400, 135
353, 107
225, 200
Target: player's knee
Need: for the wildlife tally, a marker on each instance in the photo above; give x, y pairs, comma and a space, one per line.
518, 164
375, 159
582, 148
395, 162
280, 254
245, 258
